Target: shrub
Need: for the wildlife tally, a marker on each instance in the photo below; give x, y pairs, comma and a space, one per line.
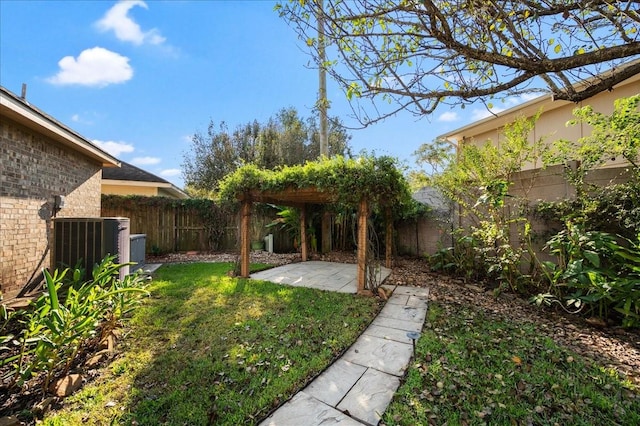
596, 272
64, 319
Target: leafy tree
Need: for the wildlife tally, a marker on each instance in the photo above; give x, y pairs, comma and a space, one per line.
479, 182
213, 155
286, 139
418, 54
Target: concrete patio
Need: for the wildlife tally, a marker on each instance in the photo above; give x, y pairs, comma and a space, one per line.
331, 276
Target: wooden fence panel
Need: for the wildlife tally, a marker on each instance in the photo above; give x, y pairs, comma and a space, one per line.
178, 228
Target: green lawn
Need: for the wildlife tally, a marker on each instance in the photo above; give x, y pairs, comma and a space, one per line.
474, 368
206, 348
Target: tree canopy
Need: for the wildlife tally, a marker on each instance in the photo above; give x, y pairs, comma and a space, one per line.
285, 140
419, 54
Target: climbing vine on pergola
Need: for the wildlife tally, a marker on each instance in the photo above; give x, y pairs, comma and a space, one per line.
363, 183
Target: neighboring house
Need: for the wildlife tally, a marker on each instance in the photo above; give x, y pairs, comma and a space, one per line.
131, 180
534, 183
551, 126
43, 164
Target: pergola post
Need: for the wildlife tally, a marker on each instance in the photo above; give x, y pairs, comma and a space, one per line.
388, 237
326, 232
363, 213
303, 232
245, 243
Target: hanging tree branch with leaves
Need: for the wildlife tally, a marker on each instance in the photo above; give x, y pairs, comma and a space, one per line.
419, 54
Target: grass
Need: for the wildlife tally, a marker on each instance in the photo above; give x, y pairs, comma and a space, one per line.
475, 368
207, 348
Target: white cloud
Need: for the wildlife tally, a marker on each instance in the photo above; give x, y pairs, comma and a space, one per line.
529, 96
83, 118
170, 172
126, 29
145, 161
449, 116
93, 67
480, 113
510, 102
114, 148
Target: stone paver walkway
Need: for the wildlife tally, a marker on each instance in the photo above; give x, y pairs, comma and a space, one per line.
357, 388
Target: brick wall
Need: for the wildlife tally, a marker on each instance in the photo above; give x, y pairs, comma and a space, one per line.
33, 169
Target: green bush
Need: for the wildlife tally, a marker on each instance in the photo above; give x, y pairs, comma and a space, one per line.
614, 209
61, 322
596, 272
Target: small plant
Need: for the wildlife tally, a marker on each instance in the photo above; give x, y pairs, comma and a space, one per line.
155, 250
596, 272
463, 259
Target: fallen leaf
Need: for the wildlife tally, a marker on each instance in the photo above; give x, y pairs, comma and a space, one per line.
480, 414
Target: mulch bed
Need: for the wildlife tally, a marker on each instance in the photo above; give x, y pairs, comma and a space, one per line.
612, 347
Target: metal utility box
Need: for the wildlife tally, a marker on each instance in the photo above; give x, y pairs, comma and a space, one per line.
87, 240
137, 251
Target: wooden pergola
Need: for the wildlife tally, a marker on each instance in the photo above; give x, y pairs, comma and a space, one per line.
300, 198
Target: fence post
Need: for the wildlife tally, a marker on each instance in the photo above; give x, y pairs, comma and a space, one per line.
388, 237
303, 232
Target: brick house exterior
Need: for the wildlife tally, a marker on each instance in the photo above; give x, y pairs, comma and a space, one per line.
40, 159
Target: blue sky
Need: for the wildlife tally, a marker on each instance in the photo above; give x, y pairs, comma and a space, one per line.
140, 78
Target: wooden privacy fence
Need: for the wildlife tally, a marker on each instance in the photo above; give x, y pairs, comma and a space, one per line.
189, 225
175, 225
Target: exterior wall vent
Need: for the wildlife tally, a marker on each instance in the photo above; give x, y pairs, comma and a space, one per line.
88, 240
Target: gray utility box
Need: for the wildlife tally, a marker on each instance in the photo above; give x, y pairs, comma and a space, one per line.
137, 251
87, 240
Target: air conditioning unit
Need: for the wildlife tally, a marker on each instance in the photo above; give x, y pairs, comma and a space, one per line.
137, 250
87, 240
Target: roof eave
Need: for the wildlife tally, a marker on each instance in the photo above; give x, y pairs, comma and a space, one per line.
20, 111
502, 118
168, 188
